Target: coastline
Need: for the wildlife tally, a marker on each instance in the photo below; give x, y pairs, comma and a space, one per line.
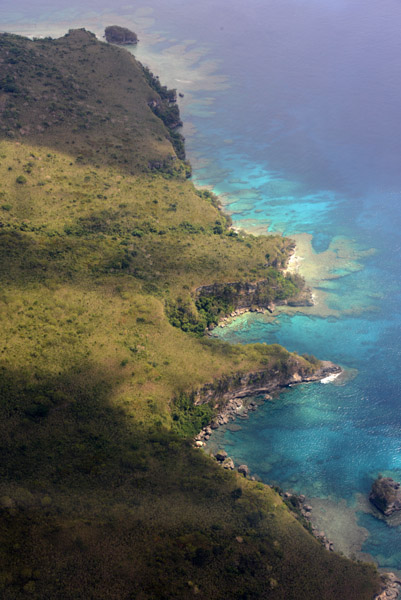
240, 396
240, 404
234, 402
304, 298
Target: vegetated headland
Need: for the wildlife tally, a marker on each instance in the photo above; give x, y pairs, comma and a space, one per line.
104, 241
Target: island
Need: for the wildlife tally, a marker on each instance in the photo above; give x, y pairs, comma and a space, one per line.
113, 267
115, 34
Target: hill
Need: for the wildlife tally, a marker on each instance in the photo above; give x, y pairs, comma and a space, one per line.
104, 242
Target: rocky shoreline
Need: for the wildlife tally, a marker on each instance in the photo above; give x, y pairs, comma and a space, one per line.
249, 295
248, 300
239, 404
234, 395
390, 584
390, 587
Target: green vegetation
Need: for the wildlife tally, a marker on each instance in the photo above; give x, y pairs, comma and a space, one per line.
102, 242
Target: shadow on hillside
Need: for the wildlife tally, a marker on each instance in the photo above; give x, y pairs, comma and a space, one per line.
92, 506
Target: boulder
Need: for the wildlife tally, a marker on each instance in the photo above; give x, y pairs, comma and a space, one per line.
221, 455
244, 469
386, 495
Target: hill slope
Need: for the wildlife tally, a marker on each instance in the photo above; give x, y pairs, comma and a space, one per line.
103, 242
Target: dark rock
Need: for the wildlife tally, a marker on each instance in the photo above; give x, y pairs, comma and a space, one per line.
221, 455
386, 495
244, 469
120, 35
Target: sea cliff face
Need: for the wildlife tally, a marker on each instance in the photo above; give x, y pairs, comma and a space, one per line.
233, 395
263, 381
248, 295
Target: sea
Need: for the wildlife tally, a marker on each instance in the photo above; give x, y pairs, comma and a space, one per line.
292, 112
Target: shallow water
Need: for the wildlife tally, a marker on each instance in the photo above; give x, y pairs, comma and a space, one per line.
292, 115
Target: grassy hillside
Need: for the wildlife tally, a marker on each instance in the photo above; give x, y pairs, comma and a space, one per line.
103, 241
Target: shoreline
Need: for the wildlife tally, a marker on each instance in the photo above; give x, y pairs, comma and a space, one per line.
239, 406
236, 401
305, 298
243, 408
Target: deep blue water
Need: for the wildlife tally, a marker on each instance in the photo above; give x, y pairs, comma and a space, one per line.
292, 111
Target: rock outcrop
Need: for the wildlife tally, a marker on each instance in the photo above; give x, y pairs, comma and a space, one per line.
253, 295
390, 587
233, 396
230, 389
115, 34
386, 495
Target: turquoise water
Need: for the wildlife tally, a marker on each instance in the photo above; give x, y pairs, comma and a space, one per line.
292, 115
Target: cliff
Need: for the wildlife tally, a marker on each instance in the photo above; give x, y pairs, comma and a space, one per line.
259, 294
264, 381
234, 394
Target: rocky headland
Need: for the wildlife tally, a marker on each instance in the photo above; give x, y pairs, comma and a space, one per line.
233, 394
252, 297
